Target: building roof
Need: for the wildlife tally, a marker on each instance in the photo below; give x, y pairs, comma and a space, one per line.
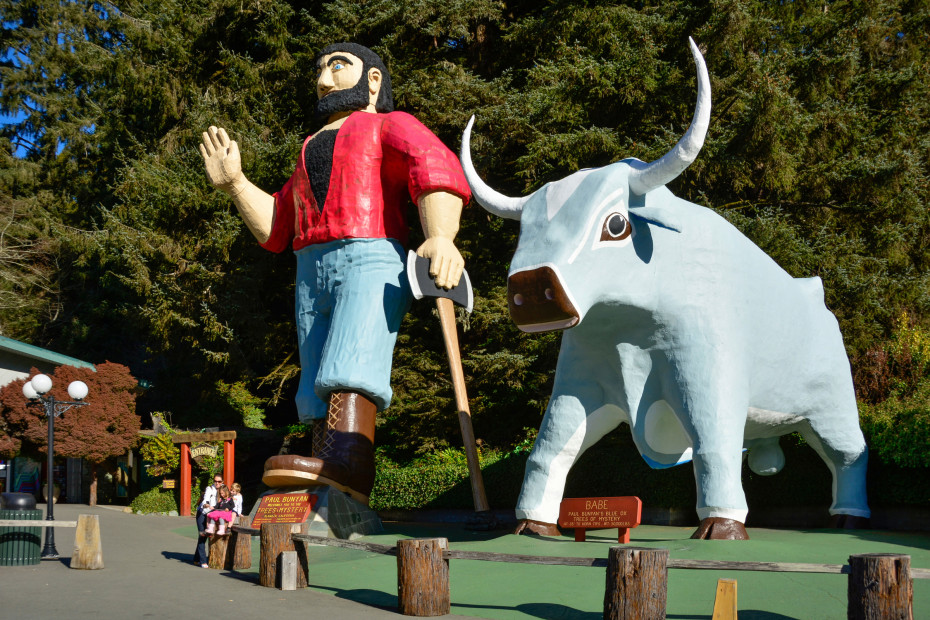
38, 353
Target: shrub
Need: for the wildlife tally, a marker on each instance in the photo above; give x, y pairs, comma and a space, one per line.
437, 480
895, 367
898, 429
154, 501
162, 454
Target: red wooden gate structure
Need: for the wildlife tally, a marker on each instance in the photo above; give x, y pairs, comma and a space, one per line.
229, 452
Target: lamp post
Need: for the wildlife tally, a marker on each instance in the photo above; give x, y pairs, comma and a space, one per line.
34, 389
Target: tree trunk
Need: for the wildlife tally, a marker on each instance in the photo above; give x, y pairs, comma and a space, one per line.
88, 553
880, 587
637, 583
93, 485
423, 577
217, 551
275, 539
241, 547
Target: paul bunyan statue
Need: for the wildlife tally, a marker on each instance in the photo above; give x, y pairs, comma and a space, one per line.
679, 326
342, 213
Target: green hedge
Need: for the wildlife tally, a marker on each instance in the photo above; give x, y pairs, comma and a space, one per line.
154, 501
614, 467
898, 429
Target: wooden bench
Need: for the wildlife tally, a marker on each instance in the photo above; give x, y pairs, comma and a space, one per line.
88, 552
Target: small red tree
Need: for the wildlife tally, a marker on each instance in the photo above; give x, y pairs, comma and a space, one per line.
107, 426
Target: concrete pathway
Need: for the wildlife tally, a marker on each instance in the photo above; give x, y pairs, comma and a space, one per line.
149, 574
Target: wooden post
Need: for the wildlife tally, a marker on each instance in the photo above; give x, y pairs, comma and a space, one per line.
276, 539
423, 577
287, 570
725, 600
239, 552
880, 586
229, 461
218, 545
637, 580
88, 552
185, 479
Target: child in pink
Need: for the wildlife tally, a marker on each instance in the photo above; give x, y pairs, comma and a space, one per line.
223, 512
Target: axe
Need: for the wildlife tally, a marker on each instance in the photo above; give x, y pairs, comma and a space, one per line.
423, 285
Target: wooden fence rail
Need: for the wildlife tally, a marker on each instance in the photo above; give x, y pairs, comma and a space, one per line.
636, 576
486, 556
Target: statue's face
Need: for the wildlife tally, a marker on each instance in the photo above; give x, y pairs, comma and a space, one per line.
338, 71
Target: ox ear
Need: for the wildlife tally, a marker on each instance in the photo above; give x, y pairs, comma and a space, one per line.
657, 216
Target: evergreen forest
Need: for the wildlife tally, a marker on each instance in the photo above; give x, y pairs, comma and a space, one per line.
113, 246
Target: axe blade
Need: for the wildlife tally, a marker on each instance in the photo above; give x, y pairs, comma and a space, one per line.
423, 285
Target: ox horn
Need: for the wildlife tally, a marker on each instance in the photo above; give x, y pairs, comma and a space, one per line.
490, 199
646, 177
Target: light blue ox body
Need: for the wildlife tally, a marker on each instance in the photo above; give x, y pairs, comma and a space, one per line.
679, 326
685, 330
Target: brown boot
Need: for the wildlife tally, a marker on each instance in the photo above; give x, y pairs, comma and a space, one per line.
345, 461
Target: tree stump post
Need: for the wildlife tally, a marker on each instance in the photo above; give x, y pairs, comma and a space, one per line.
423, 577
88, 552
239, 553
217, 553
637, 583
880, 586
276, 539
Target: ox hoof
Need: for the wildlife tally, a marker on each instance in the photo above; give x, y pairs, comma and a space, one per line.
718, 528
849, 522
538, 528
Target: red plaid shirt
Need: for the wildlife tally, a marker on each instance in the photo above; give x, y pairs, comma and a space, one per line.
378, 161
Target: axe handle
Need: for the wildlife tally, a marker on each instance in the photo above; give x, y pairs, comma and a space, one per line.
451, 338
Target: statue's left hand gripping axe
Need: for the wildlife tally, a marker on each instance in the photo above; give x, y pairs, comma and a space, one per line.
423, 285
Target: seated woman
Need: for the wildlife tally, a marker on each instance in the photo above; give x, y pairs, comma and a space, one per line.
223, 512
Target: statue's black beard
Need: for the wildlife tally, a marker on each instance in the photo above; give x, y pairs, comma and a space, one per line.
349, 99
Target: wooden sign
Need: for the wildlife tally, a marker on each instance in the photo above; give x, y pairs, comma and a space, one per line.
596, 513
204, 449
167, 484
284, 508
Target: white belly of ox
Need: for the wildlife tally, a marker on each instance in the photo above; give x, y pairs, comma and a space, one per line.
671, 445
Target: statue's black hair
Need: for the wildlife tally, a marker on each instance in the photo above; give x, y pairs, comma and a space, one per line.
385, 102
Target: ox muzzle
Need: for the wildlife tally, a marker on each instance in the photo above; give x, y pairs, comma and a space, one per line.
538, 301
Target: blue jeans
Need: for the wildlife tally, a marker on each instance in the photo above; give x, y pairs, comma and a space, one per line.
351, 297
200, 554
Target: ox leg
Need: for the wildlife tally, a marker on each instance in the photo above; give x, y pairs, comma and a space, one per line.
718, 426
846, 455
567, 431
721, 503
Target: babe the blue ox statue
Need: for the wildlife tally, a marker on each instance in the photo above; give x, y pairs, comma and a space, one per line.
679, 326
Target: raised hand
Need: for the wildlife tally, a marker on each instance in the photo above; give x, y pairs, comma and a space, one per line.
221, 159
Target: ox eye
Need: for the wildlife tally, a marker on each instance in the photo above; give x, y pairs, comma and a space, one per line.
616, 227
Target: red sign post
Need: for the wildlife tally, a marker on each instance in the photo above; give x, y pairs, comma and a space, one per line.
284, 508
596, 513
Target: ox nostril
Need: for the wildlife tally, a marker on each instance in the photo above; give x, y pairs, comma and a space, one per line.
518, 299
550, 294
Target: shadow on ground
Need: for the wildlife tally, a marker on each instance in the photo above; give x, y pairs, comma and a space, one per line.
374, 598
547, 611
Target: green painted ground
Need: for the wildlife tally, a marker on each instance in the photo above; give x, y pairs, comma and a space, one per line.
497, 590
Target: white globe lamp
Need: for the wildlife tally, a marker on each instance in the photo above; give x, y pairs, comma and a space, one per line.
77, 390
41, 384
29, 391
